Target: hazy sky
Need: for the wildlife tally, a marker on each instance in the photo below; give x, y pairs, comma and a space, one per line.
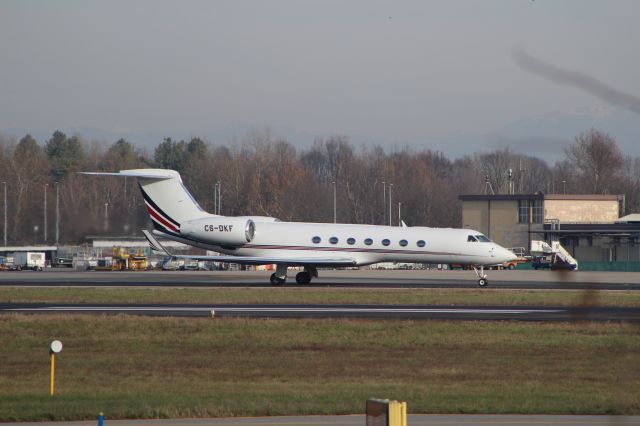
439, 74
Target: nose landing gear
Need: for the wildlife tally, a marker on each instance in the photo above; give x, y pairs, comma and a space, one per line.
483, 281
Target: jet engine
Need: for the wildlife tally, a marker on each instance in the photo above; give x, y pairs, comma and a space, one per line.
220, 230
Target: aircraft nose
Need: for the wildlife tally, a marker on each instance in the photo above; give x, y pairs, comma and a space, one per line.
504, 254
508, 254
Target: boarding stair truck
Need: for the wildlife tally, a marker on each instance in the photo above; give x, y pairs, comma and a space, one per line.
34, 260
552, 256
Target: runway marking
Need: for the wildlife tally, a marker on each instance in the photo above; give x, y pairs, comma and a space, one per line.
227, 309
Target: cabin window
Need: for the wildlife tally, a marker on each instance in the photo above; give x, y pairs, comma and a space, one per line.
368, 241
386, 242
316, 240
482, 239
351, 241
333, 240
420, 243
404, 243
471, 239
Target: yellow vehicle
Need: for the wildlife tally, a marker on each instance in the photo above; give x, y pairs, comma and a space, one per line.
122, 260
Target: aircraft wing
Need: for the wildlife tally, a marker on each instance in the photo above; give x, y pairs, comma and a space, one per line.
254, 260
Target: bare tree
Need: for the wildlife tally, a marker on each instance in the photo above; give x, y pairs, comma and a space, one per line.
596, 160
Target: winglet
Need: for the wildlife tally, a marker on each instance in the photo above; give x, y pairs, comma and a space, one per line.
154, 244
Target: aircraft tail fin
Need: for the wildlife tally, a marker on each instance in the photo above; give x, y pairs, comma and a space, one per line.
167, 200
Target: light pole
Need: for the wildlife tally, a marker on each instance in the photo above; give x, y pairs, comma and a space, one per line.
35, 234
335, 215
219, 198
58, 212
384, 203
215, 198
106, 216
44, 211
5, 213
390, 211
399, 215
564, 188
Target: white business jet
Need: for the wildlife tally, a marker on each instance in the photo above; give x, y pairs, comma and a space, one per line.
260, 240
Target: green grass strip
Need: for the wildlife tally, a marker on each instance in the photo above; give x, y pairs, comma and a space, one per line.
140, 367
323, 296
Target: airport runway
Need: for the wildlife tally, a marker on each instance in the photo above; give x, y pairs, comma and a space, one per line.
413, 312
359, 420
543, 280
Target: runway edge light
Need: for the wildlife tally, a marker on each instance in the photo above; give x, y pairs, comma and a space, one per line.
54, 348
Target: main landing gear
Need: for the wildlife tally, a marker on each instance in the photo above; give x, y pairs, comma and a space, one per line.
483, 281
275, 280
304, 277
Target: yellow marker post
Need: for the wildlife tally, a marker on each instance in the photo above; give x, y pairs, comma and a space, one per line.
54, 348
53, 372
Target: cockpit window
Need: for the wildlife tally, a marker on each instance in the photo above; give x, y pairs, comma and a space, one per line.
482, 239
471, 239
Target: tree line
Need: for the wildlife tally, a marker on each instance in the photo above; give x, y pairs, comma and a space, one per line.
266, 175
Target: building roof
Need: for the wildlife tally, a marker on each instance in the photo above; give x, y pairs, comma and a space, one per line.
4, 249
100, 241
592, 197
540, 196
500, 197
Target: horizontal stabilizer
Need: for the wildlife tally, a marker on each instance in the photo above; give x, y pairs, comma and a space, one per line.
139, 173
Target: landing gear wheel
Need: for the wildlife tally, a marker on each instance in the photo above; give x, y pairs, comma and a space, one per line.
482, 282
303, 278
277, 281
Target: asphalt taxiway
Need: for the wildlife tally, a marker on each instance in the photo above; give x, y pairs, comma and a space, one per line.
543, 280
413, 312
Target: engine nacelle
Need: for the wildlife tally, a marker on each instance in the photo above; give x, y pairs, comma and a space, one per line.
220, 230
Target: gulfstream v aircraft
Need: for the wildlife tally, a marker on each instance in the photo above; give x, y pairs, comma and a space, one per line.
259, 240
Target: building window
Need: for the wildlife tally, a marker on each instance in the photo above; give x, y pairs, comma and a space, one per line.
386, 242
351, 241
523, 211
420, 243
404, 243
316, 240
333, 240
537, 210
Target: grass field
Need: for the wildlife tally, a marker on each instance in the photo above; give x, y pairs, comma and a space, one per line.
323, 296
138, 367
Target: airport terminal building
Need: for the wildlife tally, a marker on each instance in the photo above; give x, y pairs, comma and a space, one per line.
590, 227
